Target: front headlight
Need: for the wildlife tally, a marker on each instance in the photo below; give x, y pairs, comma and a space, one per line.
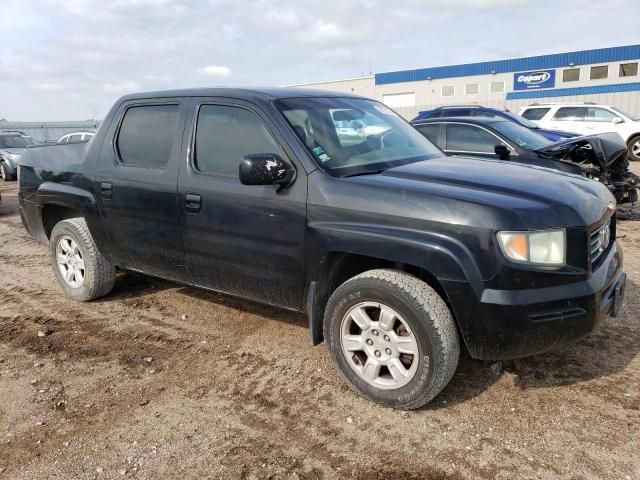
536, 248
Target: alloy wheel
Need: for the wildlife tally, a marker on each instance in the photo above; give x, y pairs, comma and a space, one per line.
70, 262
379, 345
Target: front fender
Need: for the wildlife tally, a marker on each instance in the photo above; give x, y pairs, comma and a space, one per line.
444, 257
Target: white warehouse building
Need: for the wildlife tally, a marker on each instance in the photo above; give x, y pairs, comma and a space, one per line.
606, 76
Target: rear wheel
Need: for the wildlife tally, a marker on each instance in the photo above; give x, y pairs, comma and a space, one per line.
634, 149
81, 270
392, 337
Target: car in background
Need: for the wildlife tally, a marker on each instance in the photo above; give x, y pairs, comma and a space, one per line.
75, 137
27, 137
600, 157
12, 145
480, 111
588, 118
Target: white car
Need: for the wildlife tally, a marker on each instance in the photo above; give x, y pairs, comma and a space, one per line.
587, 118
75, 137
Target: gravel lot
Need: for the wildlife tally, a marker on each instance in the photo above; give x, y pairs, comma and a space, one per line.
162, 381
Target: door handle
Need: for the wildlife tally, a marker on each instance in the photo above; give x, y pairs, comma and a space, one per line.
192, 202
106, 189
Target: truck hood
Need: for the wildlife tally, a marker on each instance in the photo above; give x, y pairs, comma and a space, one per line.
541, 197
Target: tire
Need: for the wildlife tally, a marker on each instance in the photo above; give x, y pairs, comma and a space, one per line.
97, 275
634, 149
5, 176
409, 316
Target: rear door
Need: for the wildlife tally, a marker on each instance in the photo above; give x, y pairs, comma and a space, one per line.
240, 239
570, 119
136, 180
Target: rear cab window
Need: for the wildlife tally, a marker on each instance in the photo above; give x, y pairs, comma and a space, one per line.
146, 135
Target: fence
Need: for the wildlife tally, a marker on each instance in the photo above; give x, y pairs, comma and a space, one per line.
49, 132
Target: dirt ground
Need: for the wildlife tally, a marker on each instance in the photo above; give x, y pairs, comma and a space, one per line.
161, 381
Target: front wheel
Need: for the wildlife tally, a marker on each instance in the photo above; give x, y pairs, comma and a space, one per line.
634, 149
81, 270
5, 176
392, 337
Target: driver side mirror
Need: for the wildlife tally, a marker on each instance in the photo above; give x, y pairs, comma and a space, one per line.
617, 120
502, 151
265, 169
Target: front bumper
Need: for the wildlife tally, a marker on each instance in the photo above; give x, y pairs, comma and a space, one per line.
506, 324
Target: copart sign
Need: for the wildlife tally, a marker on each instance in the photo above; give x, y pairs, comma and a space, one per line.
534, 79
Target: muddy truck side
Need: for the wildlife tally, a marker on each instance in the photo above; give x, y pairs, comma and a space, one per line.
398, 254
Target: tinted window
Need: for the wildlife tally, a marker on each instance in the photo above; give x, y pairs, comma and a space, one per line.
467, 138
146, 135
571, 75
600, 72
224, 135
628, 69
535, 113
430, 131
595, 114
570, 113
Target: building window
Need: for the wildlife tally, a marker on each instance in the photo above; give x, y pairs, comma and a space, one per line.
598, 73
571, 75
497, 87
471, 89
628, 69
448, 91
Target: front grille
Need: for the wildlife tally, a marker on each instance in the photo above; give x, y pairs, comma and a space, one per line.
600, 240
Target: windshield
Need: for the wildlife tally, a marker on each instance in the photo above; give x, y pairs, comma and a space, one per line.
521, 136
521, 120
631, 117
13, 141
352, 136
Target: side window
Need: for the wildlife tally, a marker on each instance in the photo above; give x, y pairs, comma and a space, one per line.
431, 132
571, 113
467, 138
535, 113
595, 114
224, 135
75, 138
146, 135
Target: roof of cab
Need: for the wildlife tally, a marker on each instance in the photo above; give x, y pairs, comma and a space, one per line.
258, 93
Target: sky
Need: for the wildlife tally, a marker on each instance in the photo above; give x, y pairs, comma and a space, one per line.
71, 59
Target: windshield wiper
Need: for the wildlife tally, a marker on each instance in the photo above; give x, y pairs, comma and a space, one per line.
373, 171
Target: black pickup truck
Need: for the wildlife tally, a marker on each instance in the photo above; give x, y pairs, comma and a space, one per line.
397, 253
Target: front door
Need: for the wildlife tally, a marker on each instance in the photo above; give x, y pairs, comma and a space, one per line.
135, 184
239, 239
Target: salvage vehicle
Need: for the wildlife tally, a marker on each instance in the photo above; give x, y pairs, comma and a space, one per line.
12, 146
600, 157
480, 111
588, 118
399, 255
